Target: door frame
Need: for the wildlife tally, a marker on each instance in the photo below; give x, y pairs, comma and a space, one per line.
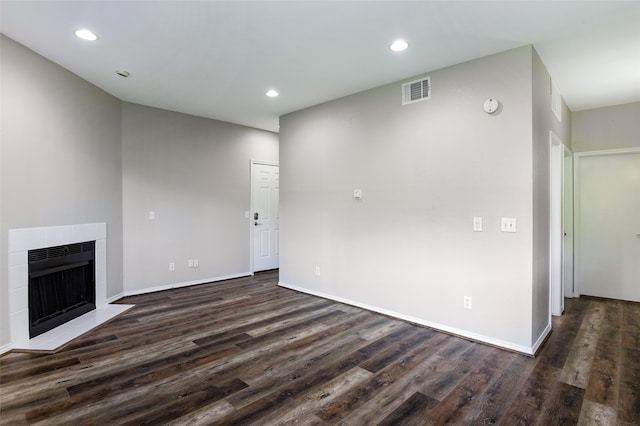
556, 184
576, 203
568, 154
251, 207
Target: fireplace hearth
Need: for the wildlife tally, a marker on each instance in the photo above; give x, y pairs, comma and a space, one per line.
61, 285
21, 242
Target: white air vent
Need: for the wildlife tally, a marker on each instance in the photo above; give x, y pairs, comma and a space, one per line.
416, 91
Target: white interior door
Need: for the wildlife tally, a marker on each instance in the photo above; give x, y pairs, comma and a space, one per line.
608, 225
265, 219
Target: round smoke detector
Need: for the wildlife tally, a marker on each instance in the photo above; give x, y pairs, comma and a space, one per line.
491, 105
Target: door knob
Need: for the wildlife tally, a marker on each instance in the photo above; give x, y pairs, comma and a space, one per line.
256, 224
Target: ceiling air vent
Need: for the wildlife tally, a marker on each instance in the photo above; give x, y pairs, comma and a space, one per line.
416, 91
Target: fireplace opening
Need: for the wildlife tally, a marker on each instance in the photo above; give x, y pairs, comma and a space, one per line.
61, 285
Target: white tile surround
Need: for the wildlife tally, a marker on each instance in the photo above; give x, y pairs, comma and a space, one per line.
23, 240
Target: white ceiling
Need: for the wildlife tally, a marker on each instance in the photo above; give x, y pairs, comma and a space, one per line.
216, 59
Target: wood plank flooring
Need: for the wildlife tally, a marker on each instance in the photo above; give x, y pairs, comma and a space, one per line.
245, 351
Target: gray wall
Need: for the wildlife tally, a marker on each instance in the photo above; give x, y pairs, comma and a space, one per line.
544, 120
61, 156
194, 173
426, 170
611, 127
71, 153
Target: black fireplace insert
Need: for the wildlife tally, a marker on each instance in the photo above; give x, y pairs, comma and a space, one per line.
61, 285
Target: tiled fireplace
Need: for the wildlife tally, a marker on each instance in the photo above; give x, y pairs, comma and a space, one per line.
23, 240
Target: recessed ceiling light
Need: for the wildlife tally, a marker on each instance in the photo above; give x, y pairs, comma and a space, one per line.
272, 93
86, 35
399, 45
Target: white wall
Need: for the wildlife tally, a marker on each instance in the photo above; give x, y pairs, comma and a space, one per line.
61, 157
426, 170
194, 174
613, 127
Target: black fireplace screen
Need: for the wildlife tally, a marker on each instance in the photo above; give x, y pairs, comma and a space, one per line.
61, 285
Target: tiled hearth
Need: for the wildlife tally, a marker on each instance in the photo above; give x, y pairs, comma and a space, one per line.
23, 240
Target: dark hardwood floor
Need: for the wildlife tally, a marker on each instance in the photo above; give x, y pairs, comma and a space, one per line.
245, 351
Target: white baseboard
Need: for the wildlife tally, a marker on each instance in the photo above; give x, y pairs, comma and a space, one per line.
541, 339
450, 330
184, 284
5, 348
114, 298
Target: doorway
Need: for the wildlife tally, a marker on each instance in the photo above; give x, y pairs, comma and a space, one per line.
607, 223
560, 260
265, 216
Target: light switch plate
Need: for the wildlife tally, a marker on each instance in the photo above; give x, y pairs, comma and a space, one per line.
477, 224
467, 302
508, 224
357, 194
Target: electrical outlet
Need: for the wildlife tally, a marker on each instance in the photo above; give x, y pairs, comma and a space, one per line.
172, 266
190, 263
317, 271
195, 263
467, 302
